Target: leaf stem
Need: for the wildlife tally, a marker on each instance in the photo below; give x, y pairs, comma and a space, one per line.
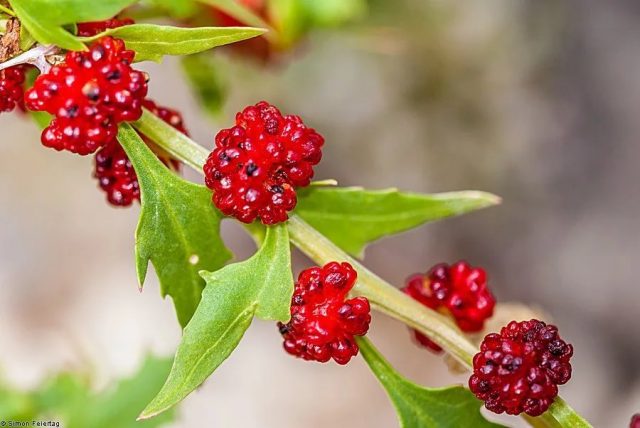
382, 295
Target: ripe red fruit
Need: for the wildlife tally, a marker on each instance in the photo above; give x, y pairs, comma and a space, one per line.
635, 421
116, 175
459, 290
322, 322
114, 170
89, 94
256, 165
88, 29
12, 88
519, 370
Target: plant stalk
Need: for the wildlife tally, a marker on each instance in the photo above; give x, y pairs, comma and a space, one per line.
382, 295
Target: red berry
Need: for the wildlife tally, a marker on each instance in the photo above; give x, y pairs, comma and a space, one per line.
88, 29
519, 370
12, 87
89, 94
635, 421
256, 165
459, 290
114, 171
116, 175
323, 322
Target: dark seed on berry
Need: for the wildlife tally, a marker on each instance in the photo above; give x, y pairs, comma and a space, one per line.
251, 168
253, 155
526, 380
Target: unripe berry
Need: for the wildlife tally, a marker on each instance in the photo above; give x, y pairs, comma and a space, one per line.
323, 321
459, 290
519, 370
256, 165
89, 94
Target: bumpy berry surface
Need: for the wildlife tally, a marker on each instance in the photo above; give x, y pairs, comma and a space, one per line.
113, 168
89, 94
459, 290
323, 322
256, 165
12, 88
88, 29
519, 370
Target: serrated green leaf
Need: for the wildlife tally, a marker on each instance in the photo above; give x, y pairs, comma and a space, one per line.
179, 228
353, 217
419, 407
205, 79
45, 19
260, 286
151, 42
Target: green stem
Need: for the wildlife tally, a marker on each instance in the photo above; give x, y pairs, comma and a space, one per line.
7, 10
382, 295
175, 143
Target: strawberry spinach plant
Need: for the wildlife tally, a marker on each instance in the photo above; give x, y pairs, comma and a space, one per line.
73, 65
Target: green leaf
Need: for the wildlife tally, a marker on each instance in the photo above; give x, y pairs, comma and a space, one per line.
331, 13
260, 286
179, 228
26, 39
419, 407
16, 405
45, 19
120, 406
177, 8
353, 217
152, 42
205, 79
69, 397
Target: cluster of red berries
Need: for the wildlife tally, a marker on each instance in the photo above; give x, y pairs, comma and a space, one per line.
256, 165
519, 370
113, 168
89, 94
323, 322
12, 88
253, 172
459, 290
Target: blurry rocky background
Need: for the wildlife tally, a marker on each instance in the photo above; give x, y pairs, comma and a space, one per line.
538, 102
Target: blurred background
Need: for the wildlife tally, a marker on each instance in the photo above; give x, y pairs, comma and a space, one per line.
537, 102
